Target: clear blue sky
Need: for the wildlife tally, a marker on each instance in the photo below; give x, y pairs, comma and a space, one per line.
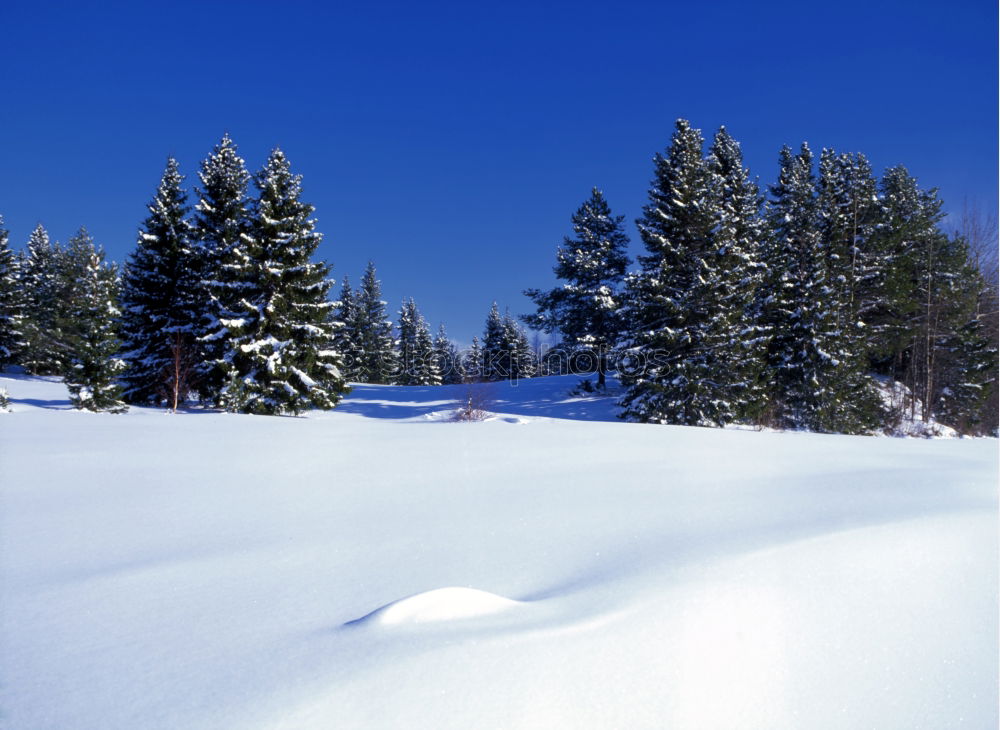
451, 142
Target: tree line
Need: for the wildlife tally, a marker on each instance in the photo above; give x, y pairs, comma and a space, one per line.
782, 309
222, 303
786, 309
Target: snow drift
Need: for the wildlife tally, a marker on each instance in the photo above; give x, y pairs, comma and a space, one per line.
203, 570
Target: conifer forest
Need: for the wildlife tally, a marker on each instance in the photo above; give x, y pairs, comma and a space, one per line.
834, 299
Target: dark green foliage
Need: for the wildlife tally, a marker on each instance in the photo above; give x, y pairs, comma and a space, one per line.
375, 360
735, 332
279, 339
221, 227
11, 304
161, 297
40, 279
688, 306
586, 310
449, 362
346, 322
506, 352
417, 361
88, 333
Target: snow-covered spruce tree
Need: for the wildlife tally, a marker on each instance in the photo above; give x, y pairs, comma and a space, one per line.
89, 337
682, 323
375, 361
521, 357
815, 376
908, 217
737, 335
968, 362
345, 337
11, 307
448, 360
221, 228
585, 311
417, 361
161, 299
848, 214
40, 281
495, 351
279, 354
472, 363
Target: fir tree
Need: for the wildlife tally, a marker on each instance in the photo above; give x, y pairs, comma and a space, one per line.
88, 334
520, 357
495, 351
221, 229
279, 357
586, 309
347, 314
679, 318
473, 361
161, 296
11, 336
737, 335
448, 361
376, 356
417, 361
40, 281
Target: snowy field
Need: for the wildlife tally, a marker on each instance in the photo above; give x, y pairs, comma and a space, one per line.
381, 567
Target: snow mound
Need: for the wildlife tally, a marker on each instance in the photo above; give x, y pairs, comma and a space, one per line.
441, 604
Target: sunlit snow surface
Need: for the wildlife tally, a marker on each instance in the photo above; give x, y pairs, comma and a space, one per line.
381, 567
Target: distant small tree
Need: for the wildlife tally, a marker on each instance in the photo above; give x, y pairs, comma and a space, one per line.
375, 359
448, 361
586, 310
11, 308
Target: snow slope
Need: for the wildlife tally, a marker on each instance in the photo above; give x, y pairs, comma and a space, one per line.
380, 567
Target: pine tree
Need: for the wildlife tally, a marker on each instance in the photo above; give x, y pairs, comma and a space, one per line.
473, 362
417, 363
736, 335
586, 310
221, 229
346, 338
520, 357
11, 307
848, 212
448, 361
161, 296
495, 351
376, 356
279, 355
680, 320
88, 334
39, 277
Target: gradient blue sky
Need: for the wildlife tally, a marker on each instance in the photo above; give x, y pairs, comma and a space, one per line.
451, 142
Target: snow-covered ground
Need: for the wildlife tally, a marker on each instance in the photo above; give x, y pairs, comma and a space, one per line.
381, 567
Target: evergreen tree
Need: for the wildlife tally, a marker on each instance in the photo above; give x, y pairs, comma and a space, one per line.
520, 357
11, 308
40, 281
495, 351
473, 362
221, 229
448, 361
737, 335
682, 325
586, 310
418, 364
279, 358
376, 356
88, 334
347, 314
161, 296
